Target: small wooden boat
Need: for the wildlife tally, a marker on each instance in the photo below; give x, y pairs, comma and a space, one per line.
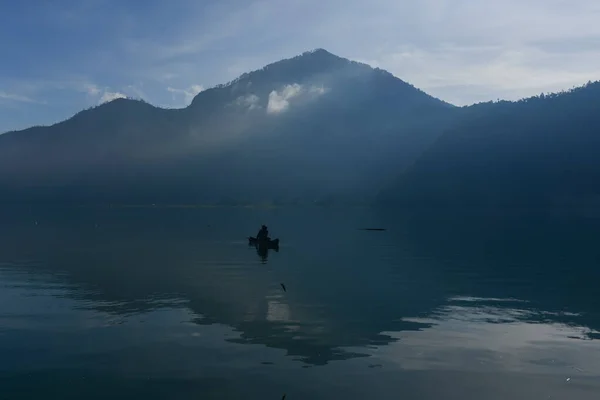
271, 244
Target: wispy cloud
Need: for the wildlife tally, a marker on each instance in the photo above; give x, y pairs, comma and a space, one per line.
136, 91
102, 94
18, 98
91, 89
187, 94
279, 101
250, 102
462, 51
465, 51
110, 96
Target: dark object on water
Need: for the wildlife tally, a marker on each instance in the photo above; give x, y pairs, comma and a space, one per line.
263, 233
283, 398
283, 286
268, 243
373, 229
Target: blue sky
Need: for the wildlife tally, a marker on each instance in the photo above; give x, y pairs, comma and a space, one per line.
61, 56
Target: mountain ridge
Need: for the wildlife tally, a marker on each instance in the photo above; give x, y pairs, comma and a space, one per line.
536, 152
305, 57
313, 126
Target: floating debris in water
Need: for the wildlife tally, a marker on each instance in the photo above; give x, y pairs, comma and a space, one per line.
283, 286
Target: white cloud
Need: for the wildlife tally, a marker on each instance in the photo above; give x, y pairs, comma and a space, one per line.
279, 101
461, 50
137, 91
466, 51
188, 94
17, 97
250, 101
493, 72
110, 96
91, 89
318, 90
107, 94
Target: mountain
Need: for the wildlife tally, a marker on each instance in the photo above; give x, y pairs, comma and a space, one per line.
537, 152
315, 127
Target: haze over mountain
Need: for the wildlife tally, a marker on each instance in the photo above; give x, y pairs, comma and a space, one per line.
537, 152
313, 127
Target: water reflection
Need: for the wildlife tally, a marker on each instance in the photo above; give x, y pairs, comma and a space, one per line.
471, 334
549, 261
134, 264
263, 251
428, 294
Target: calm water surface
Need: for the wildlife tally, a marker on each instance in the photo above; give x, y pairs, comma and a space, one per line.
173, 304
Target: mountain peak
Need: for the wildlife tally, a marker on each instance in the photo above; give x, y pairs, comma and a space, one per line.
299, 67
318, 68
321, 52
313, 60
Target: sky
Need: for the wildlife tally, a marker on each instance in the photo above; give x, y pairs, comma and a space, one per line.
59, 57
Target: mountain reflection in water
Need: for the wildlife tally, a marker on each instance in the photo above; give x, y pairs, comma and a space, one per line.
114, 298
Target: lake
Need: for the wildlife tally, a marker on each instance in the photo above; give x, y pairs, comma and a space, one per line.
172, 303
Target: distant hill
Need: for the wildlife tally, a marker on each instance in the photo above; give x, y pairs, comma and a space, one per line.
540, 151
315, 127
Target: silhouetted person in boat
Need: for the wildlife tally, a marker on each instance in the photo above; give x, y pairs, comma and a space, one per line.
263, 234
